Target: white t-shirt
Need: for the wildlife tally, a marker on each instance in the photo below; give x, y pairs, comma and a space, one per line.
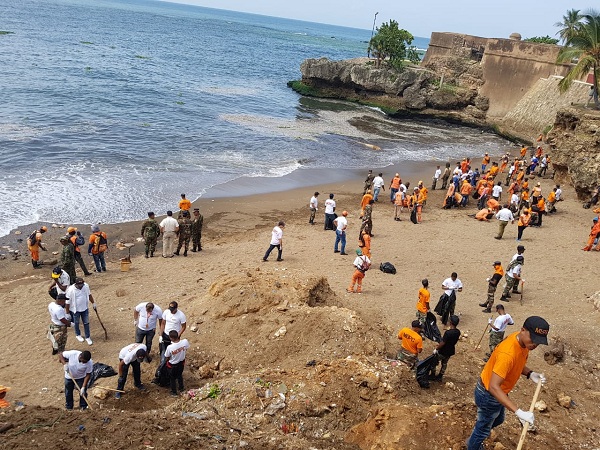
313, 202
65, 280
148, 321
329, 206
57, 312
173, 321
437, 174
558, 194
501, 323
451, 285
176, 351
378, 182
496, 191
78, 299
77, 369
505, 215
276, 236
358, 262
514, 271
342, 223
169, 224
128, 354
515, 257
514, 199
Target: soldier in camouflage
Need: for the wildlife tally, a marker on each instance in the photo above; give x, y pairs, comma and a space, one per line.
67, 257
150, 233
367, 219
197, 230
185, 233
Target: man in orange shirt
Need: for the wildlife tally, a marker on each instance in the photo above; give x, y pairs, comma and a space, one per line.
593, 234
499, 376
423, 302
184, 205
412, 343
34, 243
365, 201
484, 162
394, 186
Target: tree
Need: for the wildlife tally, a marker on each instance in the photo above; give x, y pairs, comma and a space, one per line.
569, 26
583, 47
542, 40
392, 43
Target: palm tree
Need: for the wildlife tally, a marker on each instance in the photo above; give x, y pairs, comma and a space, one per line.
584, 47
569, 26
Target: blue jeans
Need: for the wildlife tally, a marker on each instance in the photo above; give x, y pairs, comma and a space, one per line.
85, 318
69, 388
100, 263
137, 375
376, 193
271, 247
148, 334
340, 236
490, 414
393, 193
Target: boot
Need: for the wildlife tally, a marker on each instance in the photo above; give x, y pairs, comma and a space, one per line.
176, 253
486, 310
146, 255
151, 254
185, 253
194, 249
483, 305
504, 299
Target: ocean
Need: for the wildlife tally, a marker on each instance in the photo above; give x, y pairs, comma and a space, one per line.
113, 108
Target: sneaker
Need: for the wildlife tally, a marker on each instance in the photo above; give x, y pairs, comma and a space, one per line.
336, 251
117, 395
279, 259
79, 338
89, 341
174, 394
265, 259
141, 387
343, 253
54, 351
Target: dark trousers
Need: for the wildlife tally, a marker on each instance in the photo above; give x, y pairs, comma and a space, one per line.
147, 334
69, 388
79, 260
329, 218
137, 375
520, 231
271, 247
165, 343
175, 372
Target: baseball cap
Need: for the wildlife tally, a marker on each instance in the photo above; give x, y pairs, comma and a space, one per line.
497, 263
538, 329
454, 320
595, 219
56, 272
520, 258
4, 389
71, 230
416, 324
521, 247
358, 251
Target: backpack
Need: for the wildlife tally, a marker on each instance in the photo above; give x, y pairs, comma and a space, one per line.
32, 239
387, 267
364, 266
100, 244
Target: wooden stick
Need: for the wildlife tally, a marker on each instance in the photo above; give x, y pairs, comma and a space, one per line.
477, 346
109, 389
102, 325
79, 389
531, 408
522, 289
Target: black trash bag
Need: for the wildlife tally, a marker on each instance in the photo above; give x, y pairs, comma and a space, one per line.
100, 370
431, 330
445, 306
413, 215
53, 292
424, 368
161, 376
387, 267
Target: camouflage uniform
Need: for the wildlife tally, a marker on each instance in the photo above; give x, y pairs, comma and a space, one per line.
59, 334
150, 232
197, 232
67, 260
367, 222
185, 233
368, 182
495, 338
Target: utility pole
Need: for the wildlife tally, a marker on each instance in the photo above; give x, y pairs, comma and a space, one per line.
372, 32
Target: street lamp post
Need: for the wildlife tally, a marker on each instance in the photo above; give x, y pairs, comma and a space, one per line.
372, 32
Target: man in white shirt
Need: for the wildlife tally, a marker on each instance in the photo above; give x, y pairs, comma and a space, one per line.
451, 286
558, 193
78, 296
145, 317
60, 282
498, 328
131, 355
504, 216
436, 177
78, 369
378, 185
497, 191
329, 212
175, 356
59, 324
168, 228
173, 319
313, 205
512, 277
362, 264
276, 241
340, 224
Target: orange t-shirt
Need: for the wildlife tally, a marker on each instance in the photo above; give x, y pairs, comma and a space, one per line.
551, 197
523, 151
423, 303
466, 188
524, 220
424, 191
493, 171
395, 184
493, 204
482, 214
411, 340
507, 361
365, 201
185, 204
486, 160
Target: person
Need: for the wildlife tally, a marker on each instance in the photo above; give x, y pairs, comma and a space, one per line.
423, 302
366, 198
416, 205
593, 96
465, 190
184, 205
484, 162
341, 224
150, 233
367, 218
504, 216
67, 258
329, 212
59, 324
394, 186
77, 239
484, 215
78, 368
175, 356
594, 233
364, 242
451, 286
78, 296
368, 181
424, 192
499, 376
492, 286
169, 228
197, 222
497, 191
172, 319
146, 316
362, 264
98, 244
512, 277
184, 233
446, 348
399, 203
378, 185
60, 282
131, 355
551, 201
412, 343
276, 241
524, 219
558, 193
313, 206
520, 250
497, 328
34, 244
436, 176
445, 176
3, 391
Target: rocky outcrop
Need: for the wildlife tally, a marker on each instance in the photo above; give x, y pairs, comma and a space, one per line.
575, 149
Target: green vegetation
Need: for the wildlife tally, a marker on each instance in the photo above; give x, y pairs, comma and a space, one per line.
392, 45
6, 32
304, 89
542, 40
570, 25
547, 129
214, 391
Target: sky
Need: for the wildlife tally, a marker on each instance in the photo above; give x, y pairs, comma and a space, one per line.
483, 18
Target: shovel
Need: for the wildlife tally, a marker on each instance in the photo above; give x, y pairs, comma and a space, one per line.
102, 325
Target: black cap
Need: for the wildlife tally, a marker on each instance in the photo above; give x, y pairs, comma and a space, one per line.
497, 263
520, 258
520, 248
416, 324
454, 320
538, 329
57, 270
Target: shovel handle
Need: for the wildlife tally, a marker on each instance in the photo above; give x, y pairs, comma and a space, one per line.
531, 409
